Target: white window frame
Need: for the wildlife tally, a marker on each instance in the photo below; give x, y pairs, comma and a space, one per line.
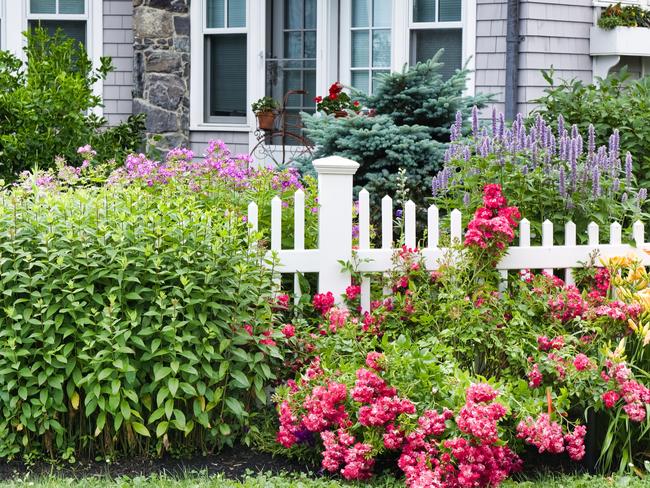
199, 29
18, 16
3, 25
402, 24
345, 14
326, 60
467, 24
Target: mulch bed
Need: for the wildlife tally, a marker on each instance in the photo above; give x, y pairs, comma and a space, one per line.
232, 463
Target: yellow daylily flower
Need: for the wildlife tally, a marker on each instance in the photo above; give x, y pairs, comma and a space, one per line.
643, 298
617, 261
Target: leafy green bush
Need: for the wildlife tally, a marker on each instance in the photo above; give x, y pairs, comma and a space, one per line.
46, 106
615, 102
132, 321
407, 127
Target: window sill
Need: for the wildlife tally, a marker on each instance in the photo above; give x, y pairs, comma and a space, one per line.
220, 128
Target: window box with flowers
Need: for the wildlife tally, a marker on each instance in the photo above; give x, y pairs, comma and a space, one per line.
621, 31
337, 102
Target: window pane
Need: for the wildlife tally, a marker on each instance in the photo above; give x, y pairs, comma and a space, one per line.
424, 10
449, 10
294, 13
293, 45
310, 14
75, 29
227, 75
381, 48
42, 6
360, 80
381, 13
427, 43
310, 44
215, 13
71, 6
359, 13
360, 49
236, 13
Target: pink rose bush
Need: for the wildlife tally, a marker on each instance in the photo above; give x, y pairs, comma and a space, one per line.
404, 380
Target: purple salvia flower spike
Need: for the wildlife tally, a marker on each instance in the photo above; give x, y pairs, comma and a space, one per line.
628, 169
561, 183
475, 128
592, 140
494, 122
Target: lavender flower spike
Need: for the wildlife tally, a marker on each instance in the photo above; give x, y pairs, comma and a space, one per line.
494, 121
592, 140
475, 121
561, 183
595, 182
628, 169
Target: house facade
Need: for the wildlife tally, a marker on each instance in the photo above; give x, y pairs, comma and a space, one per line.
195, 66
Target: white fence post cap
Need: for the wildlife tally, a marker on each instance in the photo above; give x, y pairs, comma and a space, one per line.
335, 165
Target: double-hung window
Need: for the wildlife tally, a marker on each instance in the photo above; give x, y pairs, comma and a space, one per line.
71, 16
225, 48
437, 24
366, 28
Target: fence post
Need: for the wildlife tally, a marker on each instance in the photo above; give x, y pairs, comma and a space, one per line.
335, 176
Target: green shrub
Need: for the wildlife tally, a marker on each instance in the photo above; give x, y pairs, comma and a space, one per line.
46, 106
615, 102
124, 322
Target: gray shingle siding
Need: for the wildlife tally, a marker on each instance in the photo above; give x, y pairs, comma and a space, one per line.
118, 44
491, 48
554, 33
237, 141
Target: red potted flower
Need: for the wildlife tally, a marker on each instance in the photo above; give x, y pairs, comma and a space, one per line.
337, 102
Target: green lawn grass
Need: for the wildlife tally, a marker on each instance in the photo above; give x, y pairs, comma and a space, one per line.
194, 480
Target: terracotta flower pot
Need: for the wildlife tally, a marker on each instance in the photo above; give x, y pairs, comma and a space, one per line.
265, 120
340, 114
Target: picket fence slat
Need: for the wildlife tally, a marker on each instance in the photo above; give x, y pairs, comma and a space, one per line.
335, 244
433, 226
409, 224
569, 240
299, 235
364, 243
386, 222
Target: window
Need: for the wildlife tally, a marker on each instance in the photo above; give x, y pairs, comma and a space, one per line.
2, 26
437, 24
369, 25
68, 15
291, 55
225, 53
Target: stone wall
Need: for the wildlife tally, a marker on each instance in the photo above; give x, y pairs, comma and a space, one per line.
162, 69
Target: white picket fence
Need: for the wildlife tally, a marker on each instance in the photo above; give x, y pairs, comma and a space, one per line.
335, 197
